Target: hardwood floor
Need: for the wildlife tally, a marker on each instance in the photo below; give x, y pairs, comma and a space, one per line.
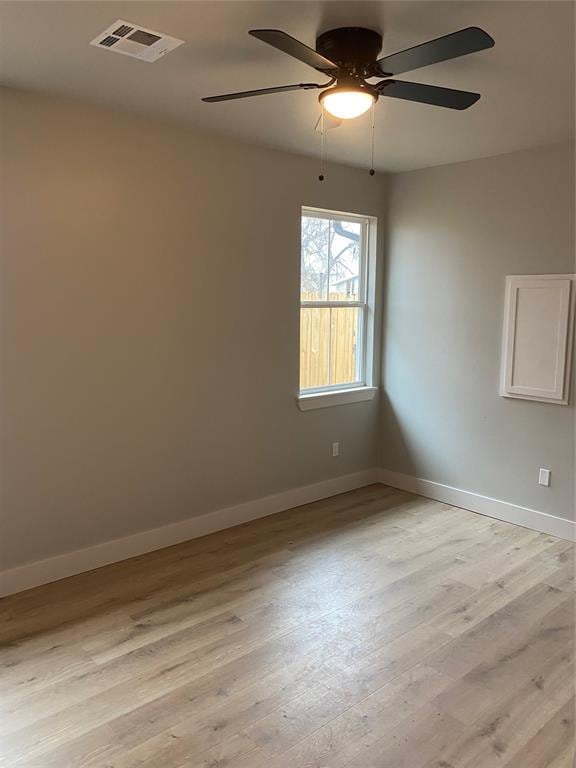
372, 630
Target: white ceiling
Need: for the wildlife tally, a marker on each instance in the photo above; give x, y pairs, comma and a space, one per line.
526, 81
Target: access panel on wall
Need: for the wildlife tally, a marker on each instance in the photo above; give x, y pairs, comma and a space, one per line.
538, 337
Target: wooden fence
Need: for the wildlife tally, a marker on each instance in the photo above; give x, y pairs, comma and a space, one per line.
328, 345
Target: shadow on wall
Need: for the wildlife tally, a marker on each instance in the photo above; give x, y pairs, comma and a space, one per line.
395, 450
394, 445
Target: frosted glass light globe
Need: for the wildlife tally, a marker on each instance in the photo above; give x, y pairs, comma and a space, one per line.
346, 104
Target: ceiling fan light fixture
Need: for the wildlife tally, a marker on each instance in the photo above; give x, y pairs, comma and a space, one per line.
347, 102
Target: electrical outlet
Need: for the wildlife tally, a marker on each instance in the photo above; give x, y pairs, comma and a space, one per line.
335, 449
544, 477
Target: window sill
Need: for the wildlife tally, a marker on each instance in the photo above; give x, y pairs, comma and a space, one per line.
338, 397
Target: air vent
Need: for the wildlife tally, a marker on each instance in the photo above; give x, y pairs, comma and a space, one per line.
138, 42
108, 41
122, 30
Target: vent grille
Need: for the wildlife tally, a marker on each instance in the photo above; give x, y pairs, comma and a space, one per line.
144, 38
132, 40
109, 41
122, 30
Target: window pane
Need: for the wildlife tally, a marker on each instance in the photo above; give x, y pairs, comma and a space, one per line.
345, 243
330, 346
333, 272
345, 345
314, 347
315, 245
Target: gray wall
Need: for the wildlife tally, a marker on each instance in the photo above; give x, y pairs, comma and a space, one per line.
150, 279
150, 325
455, 233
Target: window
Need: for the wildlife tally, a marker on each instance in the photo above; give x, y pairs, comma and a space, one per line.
335, 312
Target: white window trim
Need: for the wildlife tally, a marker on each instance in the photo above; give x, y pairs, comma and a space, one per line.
355, 392
309, 402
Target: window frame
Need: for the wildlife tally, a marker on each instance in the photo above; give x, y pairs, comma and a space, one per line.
363, 387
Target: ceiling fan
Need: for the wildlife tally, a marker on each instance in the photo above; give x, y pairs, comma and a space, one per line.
348, 57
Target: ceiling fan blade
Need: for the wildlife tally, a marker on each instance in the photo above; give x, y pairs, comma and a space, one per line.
427, 94
264, 91
451, 46
287, 44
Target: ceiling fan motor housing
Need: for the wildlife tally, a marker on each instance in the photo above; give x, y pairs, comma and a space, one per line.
354, 49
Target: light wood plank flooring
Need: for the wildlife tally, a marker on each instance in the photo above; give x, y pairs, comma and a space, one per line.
375, 629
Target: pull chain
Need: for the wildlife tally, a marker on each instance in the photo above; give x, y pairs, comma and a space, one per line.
372, 171
321, 176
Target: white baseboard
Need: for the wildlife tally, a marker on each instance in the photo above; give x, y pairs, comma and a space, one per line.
71, 563
81, 560
501, 510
